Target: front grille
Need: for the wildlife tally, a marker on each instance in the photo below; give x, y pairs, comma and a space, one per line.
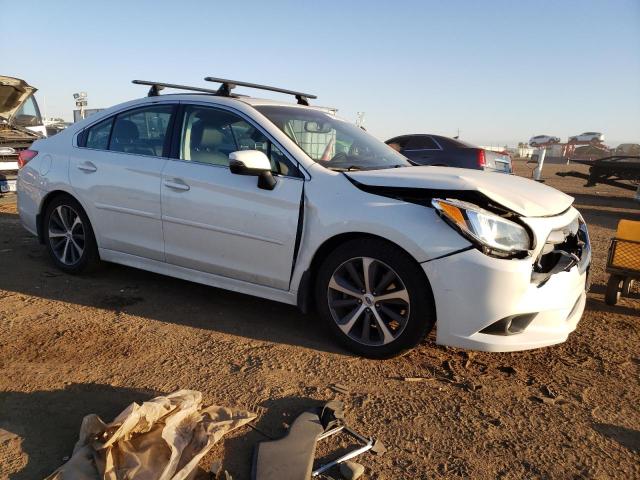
564, 248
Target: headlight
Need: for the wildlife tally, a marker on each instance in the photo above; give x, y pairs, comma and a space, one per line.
481, 226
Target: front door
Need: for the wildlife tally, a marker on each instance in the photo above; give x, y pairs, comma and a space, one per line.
221, 223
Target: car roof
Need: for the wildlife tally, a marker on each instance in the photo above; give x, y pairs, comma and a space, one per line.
231, 101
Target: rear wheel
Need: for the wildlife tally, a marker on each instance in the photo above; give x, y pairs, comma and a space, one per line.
614, 289
374, 298
68, 236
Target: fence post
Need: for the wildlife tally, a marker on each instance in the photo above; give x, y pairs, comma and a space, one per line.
537, 173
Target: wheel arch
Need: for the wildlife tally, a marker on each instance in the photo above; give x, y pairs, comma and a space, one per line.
46, 200
306, 286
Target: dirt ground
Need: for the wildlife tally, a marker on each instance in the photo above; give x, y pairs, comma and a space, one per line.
70, 346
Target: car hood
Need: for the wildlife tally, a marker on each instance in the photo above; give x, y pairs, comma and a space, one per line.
13, 93
523, 196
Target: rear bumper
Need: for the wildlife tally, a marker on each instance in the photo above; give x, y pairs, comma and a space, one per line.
8, 181
473, 291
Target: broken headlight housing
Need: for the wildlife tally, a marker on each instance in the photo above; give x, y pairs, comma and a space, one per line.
492, 233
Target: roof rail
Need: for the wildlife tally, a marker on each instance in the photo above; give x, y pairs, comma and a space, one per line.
154, 91
228, 85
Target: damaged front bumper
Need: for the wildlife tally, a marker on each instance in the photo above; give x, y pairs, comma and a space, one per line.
497, 305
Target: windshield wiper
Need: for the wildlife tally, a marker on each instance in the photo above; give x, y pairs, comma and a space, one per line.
350, 168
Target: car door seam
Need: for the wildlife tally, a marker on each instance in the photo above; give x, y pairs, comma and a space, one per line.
298, 241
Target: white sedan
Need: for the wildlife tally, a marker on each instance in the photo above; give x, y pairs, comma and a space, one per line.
543, 140
288, 202
593, 137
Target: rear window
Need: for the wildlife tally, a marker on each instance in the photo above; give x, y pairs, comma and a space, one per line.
453, 143
98, 136
421, 143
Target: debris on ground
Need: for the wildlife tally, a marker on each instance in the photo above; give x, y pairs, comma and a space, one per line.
351, 470
339, 388
163, 438
292, 456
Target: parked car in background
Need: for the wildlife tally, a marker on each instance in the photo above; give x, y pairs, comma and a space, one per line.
427, 149
290, 203
594, 137
543, 140
20, 125
627, 149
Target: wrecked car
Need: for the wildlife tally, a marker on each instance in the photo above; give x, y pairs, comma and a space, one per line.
290, 203
20, 125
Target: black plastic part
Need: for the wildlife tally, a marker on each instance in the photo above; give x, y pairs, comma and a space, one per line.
266, 180
228, 85
423, 196
157, 86
332, 414
305, 292
296, 245
511, 325
154, 91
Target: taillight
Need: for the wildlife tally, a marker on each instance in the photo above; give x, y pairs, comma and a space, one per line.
25, 156
482, 161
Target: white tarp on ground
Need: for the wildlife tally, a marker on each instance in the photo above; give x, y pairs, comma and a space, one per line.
162, 439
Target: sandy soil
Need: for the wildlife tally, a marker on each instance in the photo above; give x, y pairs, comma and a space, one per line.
70, 346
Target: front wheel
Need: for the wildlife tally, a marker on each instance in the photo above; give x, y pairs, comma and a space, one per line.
69, 236
374, 298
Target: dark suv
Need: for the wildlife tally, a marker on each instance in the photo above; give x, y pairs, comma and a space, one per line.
425, 149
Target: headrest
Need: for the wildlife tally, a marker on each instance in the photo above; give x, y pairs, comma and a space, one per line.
125, 131
205, 135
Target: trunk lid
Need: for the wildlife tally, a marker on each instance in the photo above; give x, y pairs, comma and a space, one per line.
523, 196
13, 93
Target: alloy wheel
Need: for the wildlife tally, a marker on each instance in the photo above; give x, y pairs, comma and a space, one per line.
368, 301
66, 234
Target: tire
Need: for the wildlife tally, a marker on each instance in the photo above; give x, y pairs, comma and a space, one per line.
614, 288
382, 327
69, 236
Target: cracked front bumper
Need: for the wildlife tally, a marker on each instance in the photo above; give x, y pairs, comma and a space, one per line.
473, 291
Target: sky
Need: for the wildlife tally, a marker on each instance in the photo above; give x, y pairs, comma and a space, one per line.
497, 71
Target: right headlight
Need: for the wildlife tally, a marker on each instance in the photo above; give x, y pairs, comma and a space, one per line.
492, 232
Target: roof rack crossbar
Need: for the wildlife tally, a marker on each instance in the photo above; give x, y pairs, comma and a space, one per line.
228, 85
154, 91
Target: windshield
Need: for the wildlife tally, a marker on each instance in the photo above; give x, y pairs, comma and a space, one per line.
333, 143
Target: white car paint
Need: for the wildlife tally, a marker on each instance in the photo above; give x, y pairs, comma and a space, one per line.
588, 137
201, 223
518, 194
543, 139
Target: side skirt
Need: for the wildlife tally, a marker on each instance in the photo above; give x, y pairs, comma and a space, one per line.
190, 275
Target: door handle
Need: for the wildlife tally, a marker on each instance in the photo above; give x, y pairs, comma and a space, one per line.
87, 167
177, 184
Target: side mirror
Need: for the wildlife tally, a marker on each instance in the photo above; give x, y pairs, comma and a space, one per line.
254, 163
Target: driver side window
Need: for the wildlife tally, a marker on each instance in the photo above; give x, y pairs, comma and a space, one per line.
209, 135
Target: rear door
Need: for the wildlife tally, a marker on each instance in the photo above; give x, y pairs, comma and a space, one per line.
221, 223
116, 173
